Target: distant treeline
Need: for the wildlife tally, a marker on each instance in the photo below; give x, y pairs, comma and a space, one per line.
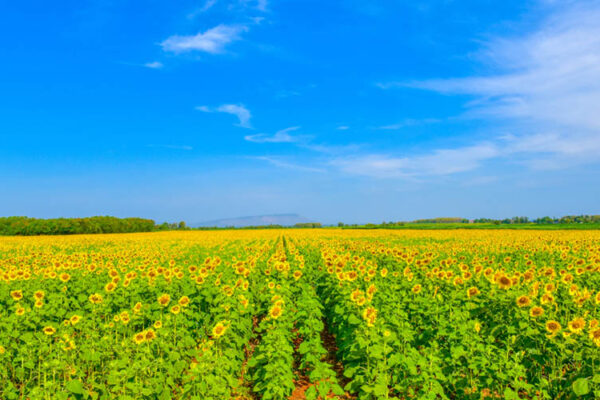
70, 226
572, 220
569, 219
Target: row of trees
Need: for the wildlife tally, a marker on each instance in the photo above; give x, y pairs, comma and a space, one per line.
568, 219
68, 226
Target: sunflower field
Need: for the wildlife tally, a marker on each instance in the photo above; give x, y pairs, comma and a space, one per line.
301, 314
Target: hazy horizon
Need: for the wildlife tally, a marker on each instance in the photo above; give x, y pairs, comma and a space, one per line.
336, 111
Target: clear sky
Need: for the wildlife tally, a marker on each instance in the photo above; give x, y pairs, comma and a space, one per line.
354, 111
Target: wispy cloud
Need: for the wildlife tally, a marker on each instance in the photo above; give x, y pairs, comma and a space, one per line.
343, 128
208, 4
212, 41
239, 110
282, 136
548, 88
440, 162
154, 65
409, 122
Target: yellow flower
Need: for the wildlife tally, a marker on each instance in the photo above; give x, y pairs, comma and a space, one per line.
576, 326
416, 289
48, 330
96, 298
158, 325
64, 277
75, 319
477, 326
38, 295
110, 287
472, 291
139, 338
176, 309
536, 312
219, 329
184, 301
16, 295
523, 301
164, 300
553, 327
2, 350
150, 334
276, 311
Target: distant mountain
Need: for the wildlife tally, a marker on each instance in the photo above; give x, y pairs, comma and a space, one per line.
240, 222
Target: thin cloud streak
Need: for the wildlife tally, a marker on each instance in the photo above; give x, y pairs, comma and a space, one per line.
281, 136
212, 41
239, 110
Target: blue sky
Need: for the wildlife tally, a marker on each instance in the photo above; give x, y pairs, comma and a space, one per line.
340, 111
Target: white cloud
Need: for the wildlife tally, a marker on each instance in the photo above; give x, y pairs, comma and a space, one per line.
342, 128
154, 65
281, 136
440, 162
239, 110
212, 41
548, 88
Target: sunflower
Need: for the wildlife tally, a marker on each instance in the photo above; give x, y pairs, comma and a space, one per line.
595, 336
297, 275
20, 311
110, 287
48, 330
96, 298
553, 327
16, 295
38, 304
75, 319
276, 311
176, 309
158, 325
383, 272
416, 289
504, 282
64, 277
536, 312
39, 295
219, 329
137, 307
139, 338
164, 299
355, 294
2, 350
576, 326
523, 301
150, 334
370, 315
472, 291
125, 317
184, 301
547, 298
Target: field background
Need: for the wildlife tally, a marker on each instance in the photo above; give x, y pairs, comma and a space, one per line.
301, 313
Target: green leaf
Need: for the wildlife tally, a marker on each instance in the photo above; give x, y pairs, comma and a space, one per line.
581, 387
75, 387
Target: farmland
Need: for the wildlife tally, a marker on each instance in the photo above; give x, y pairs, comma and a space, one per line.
278, 314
